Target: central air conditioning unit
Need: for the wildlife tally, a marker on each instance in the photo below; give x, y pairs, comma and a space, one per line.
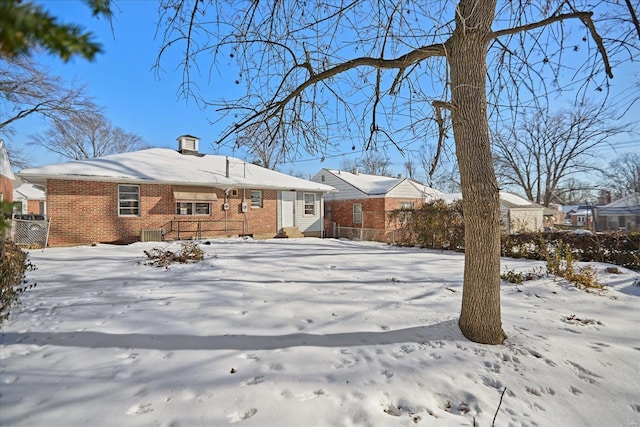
151, 235
225, 207
243, 207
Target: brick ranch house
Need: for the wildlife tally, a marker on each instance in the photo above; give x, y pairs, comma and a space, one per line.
183, 194
364, 201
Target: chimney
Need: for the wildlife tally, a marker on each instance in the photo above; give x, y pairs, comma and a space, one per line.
188, 144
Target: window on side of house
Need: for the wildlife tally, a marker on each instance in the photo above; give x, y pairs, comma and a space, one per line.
357, 213
309, 204
193, 208
128, 200
406, 206
327, 212
256, 198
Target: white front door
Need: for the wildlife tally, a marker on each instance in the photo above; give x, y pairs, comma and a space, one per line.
288, 208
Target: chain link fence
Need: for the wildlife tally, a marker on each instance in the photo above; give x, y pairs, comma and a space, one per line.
30, 230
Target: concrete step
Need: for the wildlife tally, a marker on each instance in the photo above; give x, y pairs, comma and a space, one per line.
291, 232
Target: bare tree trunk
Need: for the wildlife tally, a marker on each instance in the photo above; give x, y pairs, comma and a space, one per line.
480, 318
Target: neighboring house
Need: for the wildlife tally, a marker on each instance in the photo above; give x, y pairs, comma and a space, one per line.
158, 192
29, 199
516, 213
364, 201
6, 175
579, 216
623, 214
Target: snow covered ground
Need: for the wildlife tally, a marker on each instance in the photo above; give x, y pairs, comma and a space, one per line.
309, 332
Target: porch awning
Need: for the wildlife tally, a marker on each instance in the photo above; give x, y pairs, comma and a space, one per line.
194, 194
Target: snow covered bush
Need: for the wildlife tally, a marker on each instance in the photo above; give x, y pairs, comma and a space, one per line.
14, 263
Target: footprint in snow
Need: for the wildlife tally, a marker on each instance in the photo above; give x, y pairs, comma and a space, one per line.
241, 415
142, 408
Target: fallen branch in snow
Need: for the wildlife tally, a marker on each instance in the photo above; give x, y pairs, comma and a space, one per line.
189, 253
493, 423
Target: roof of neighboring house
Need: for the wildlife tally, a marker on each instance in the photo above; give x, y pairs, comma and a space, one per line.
373, 185
5, 164
508, 200
166, 166
29, 192
629, 205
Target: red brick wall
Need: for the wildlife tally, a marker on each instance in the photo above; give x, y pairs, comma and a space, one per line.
374, 211
33, 207
6, 188
83, 212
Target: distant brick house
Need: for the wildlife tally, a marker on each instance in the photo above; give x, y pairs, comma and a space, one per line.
158, 192
29, 199
364, 201
7, 176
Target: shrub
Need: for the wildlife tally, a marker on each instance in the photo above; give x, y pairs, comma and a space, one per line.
14, 263
560, 262
435, 225
190, 252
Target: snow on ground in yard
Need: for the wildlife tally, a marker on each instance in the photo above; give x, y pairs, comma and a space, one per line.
309, 332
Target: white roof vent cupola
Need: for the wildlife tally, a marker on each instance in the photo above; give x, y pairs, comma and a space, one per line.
188, 144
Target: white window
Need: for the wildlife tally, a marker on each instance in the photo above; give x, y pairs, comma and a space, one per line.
406, 206
309, 204
193, 208
357, 213
128, 200
256, 198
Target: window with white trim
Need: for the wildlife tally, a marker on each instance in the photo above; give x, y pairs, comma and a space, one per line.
193, 208
406, 206
256, 198
357, 213
128, 200
309, 204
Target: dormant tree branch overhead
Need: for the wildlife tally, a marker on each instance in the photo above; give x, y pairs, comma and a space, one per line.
330, 72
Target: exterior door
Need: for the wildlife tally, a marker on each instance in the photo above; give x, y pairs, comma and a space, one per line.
288, 208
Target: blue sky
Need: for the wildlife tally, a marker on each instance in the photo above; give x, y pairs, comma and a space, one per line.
122, 80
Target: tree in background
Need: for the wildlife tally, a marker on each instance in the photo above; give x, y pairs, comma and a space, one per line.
371, 162
28, 89
388, 72
262, 144
375, 163
541, 151
622, 176
86, 136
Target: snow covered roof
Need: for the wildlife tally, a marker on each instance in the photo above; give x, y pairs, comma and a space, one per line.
508, 200
166, 166
5, 164
378, 185
29, 192
368, 184
629, 205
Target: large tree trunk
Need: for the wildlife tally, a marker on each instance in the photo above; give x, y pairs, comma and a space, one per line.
480, 319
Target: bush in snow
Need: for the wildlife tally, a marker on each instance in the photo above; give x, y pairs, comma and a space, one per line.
190, 252
14, 263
